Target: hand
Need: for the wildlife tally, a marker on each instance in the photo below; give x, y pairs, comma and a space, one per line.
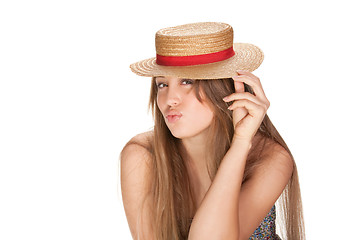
248, 109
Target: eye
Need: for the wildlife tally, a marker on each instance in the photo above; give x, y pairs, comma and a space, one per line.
161, 85
187, 81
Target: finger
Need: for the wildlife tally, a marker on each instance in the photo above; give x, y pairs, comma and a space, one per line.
245, 95
256, 86
242, 72
248, 80
253, 108
239, 113
239, 87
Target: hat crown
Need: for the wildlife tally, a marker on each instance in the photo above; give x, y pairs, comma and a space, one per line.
194, 39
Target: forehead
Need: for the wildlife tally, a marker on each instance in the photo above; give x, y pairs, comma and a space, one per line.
168, 78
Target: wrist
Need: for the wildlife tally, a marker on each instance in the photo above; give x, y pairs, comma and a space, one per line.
242, 142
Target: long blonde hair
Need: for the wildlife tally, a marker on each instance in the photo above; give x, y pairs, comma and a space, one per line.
168, 184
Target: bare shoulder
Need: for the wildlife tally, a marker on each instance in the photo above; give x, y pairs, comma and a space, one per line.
135, 171
142, 139
276, 158
137, 151
135, 156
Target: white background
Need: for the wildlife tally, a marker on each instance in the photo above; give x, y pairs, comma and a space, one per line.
68, 103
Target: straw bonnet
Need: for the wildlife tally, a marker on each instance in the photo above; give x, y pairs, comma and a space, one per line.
199, 51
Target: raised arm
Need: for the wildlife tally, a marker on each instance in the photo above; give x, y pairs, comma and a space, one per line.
231, 210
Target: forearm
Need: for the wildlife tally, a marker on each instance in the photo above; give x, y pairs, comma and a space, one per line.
218, 215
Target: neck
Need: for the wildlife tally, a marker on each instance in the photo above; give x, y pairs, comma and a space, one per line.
193, 151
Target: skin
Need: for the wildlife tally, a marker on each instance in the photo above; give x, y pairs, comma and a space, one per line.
228, 211
177, 94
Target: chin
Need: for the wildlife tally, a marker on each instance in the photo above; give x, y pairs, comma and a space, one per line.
181, 134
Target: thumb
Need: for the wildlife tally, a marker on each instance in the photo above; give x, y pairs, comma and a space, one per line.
239, 87
239, 113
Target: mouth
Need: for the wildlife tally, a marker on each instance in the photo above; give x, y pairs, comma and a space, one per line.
173, 118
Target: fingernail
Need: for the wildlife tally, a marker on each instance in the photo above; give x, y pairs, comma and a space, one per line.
225, 98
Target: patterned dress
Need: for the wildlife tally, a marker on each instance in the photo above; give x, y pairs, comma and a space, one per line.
267, 229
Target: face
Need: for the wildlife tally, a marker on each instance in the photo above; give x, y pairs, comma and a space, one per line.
184, 115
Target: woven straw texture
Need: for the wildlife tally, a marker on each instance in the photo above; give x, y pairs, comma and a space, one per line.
196, 39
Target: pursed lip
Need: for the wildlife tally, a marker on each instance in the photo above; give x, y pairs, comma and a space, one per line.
173, 116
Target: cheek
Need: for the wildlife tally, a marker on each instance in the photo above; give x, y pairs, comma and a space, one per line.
159, 103
202, 114
202, 109
207, 116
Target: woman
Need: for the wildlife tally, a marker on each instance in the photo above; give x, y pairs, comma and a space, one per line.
214, 164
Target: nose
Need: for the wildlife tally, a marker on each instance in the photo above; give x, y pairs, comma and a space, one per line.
173, 97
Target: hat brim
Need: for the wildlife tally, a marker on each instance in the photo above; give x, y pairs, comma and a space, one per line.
247, 57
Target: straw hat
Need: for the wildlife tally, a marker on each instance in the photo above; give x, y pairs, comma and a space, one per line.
199, 51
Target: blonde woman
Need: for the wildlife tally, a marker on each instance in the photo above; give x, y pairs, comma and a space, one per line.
214, 165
